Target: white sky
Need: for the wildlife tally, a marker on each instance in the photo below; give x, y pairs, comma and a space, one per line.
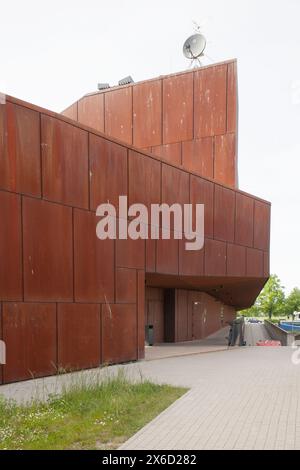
53, 52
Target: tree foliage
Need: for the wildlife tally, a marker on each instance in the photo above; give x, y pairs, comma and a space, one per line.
271, 301
292, 303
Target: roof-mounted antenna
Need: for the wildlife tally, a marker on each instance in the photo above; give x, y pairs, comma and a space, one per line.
193, 48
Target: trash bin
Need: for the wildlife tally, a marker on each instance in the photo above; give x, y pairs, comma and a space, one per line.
149, 334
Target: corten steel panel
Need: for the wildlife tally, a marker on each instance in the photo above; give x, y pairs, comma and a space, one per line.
178, 108
170, 152
154, 293
1, 338
190, 261
181, 315
91, 111
71, 112
232, 97
212, 315
215, 258
167, 255
197, 156
141, 313
175, 185
93, 261
225, 170
197, 318
244, 220
108, 171
29, 331
118, 114
147, 105
48, 251
229, 313
119, 333
224, 210
266, 264
144, 179
155, 317
130, 253
65, 162
261, 225
202, 192
189, 319
20, 165
255, 263
210, 89
150, 253
10, 247
79, 336
126, 288
193, 296
236, 260
3, 130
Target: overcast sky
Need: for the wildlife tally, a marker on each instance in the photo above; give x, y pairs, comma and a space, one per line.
53, 52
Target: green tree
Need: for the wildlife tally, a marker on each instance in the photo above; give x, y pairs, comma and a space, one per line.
292, 303
271, 300
251, 312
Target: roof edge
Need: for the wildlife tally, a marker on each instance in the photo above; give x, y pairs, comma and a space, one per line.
160, 77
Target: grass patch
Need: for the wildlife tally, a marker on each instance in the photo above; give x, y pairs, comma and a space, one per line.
84, 416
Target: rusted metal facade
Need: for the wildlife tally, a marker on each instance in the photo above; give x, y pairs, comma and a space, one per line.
69, 300
189, 118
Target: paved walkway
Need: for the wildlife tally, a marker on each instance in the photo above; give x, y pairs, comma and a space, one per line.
242, 398
246, 398
215, 342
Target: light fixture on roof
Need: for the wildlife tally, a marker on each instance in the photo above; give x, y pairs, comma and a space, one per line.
126, 80
103, 86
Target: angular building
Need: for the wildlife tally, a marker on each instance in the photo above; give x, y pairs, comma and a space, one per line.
69, 300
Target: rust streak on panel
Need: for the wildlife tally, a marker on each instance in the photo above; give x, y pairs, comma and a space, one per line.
178, 108
244, 220
210, 101
93, 261
224, 212
48, 253
11, 275
232, 97
169, 152
126, 285
78, 336
119, 333
91, 111
236, 260
118, 114
147, 102
65, 163
141, 313
225, 159
29, 331
20, 169
197, 156
107, 159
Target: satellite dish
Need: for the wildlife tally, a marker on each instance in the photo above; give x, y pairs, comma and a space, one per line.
193, 47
